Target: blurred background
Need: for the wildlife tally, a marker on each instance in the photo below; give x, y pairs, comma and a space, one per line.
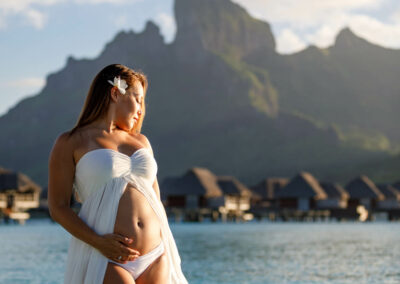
259, 112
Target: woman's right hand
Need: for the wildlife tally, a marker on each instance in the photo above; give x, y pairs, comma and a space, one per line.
61, 177
114, 246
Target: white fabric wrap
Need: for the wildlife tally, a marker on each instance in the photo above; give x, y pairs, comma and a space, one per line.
86, 264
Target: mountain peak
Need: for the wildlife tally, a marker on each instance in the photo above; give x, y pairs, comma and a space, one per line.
151, 28
347, 38
125, 42
222, 27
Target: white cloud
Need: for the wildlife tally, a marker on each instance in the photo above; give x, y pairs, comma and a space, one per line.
3, 23
385, 34
24, 8
305, 12
318, 22
289, 42
21, 5
121, 21
167, 24
14, 91
324, 34
36, 18
95, 2
367, 27
31, 82
395, 17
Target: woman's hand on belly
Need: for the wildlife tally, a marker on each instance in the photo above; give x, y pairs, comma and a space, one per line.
116, 248
136, 219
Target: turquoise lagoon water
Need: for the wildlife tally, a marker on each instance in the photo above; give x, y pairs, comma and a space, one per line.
230, 253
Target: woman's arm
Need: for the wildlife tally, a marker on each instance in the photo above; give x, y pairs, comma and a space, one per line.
61, 176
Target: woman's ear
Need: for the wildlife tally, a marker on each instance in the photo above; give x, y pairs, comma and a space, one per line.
114, 94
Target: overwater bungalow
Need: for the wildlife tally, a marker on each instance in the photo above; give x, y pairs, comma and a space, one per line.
392, 197
265, 192
363, 191
301, 193
236, 195
197, 188
394, 213
337, 196
200, 193
18, 193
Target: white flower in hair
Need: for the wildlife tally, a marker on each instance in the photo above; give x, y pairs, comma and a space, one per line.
120, 84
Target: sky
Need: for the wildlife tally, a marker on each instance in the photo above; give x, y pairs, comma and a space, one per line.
37, 36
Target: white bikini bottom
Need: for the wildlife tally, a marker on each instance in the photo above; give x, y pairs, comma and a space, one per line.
140, 264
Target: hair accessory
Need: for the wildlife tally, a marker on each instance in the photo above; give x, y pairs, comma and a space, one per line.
120, 84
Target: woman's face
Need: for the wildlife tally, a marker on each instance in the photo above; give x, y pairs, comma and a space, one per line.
128, 107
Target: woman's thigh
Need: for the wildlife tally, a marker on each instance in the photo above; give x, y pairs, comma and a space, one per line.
117, 274
156, 273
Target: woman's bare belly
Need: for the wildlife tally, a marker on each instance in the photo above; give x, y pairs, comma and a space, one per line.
137, 220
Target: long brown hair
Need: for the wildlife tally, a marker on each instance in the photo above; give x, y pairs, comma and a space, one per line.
98, 98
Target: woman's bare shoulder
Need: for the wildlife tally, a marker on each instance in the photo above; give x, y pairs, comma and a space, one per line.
143, 140
65, 143
64, 139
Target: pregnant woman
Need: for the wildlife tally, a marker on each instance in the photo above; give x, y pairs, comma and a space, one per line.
121, 234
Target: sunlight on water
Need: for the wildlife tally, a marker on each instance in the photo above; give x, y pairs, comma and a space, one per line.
231, 253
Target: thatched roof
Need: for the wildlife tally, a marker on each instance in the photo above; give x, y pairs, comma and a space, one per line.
172, 186
231, 186
304, 185
268, 187
16, 181
363, 187
389, 191
196, 181
334, 190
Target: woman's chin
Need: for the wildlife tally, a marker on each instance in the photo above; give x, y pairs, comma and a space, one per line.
127, 126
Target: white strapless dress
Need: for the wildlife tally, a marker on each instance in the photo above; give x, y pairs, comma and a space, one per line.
101, 176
